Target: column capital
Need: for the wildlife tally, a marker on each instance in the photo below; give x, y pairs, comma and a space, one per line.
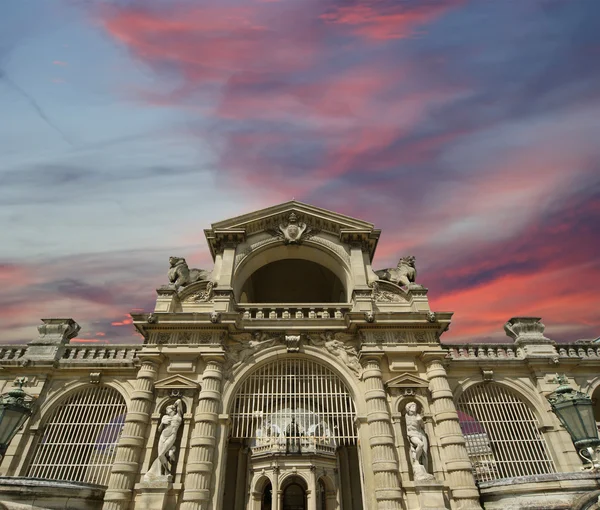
429, 357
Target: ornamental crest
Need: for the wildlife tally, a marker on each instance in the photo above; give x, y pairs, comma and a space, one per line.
293, 231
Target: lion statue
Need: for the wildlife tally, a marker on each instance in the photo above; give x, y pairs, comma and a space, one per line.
181, 275
403, 274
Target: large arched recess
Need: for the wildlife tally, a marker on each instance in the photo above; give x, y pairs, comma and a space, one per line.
310, 252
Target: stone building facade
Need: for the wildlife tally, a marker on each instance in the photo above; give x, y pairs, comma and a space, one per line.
293, 376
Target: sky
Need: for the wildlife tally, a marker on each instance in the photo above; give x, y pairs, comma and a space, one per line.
468, 131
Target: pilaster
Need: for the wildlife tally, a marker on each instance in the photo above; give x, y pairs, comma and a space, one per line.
385, 466
125, 469
449, 433
200, 467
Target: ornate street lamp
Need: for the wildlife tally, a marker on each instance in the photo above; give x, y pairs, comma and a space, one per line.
15, 407
575, 411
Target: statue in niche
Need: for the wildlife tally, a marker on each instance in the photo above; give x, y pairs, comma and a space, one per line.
169, 425
402, 275
419, 445
181, 275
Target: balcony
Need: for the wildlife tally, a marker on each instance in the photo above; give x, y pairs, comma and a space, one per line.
304, 315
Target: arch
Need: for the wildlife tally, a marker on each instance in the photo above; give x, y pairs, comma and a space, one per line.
294, 493
293, 404
80, 435
293, 281
308, 251
64, 389
501, 433
322, 356
326, 499
540, 407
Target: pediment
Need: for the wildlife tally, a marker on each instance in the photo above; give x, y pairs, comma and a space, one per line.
346, 228
407, 381
176, 382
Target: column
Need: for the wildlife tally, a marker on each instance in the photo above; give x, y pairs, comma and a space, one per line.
275, 493
312, 492
200, 465
449, 433
385, 466
133, 439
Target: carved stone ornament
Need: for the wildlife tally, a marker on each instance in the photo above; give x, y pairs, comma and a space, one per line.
181, 275
293, 231
384, 296
369, 317
169, 425
95, 377
204, 295
418, 442
215, 317
338, 344
402, 275
293, 343
247, 344
431, 316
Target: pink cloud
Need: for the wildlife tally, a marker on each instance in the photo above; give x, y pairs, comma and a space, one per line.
381, 20
59, 63
125, 322
481, 311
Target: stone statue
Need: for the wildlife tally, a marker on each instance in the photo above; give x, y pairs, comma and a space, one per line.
169, 425
181, 275
337, 345
418, 442
403, 274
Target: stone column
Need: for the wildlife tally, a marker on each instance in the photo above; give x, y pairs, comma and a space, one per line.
275, 492
133, 440
449, 433
200, 465
312, 490
385, 466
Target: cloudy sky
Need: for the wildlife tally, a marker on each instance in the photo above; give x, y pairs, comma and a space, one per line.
469, 131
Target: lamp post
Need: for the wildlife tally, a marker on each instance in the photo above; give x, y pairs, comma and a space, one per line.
574, 409
15, 407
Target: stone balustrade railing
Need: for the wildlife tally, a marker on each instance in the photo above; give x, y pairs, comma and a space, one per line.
266, 311
577, 350
483, 351
307, 445
11, 354
583, 350
95, 354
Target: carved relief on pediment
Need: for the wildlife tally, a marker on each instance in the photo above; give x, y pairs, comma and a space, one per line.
292, 230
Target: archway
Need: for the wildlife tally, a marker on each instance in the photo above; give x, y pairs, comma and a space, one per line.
299, 412
294, 494
293, 281
267, 497
296, 262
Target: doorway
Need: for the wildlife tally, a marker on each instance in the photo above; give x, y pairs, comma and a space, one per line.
267, 497
294, 496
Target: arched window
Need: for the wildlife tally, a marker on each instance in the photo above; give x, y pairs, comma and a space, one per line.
79, 440
501, 433
294, 406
